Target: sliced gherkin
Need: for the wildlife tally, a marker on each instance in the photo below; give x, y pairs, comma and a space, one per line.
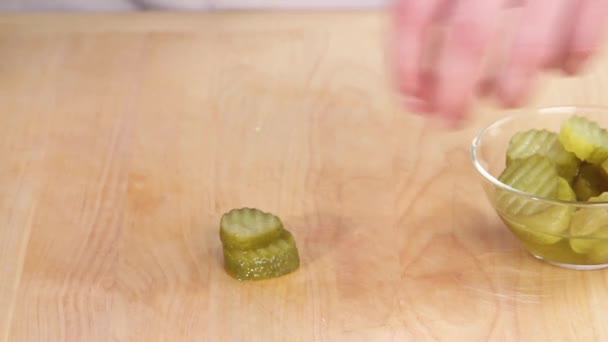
545, 143
548, 226
590, 182
564, 191
585, 138
587, 221
590, 245
589, 228
598, 253
535, 175
278, 258
249, 228
558, 231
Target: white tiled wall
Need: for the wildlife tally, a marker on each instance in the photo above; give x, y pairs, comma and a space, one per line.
120, 5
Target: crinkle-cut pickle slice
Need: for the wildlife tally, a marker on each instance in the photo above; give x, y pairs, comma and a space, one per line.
564, 191
595, 247
591, 220
591, 181
598, 253
535, 175
280, 257
546, 227
589, 228
585, 138
249, 228
545, 143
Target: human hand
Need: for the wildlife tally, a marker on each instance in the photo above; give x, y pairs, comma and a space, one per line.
443, 74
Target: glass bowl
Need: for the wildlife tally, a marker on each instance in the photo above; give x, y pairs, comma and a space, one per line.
571, 234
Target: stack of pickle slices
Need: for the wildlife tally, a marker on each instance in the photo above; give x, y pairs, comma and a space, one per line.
569, 165
256, 245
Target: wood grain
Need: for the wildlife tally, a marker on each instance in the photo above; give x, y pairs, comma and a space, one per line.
123, 138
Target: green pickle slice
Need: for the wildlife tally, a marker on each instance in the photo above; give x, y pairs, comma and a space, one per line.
589, 229
598, 254
248, 228
585, 138
256, 245
564, 191
535, 175
545, 143
590, 182
278, 258
547, 227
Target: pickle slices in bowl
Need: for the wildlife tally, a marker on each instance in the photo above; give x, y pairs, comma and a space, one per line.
571, 166
547, 226
589, 228
585, 138
536, 175
590, 181
545, 143
256, 245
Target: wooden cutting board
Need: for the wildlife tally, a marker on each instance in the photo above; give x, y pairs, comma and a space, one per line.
123, 138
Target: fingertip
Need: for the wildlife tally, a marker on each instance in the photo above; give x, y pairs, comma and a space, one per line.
456, 116
409, 89
575, 63
421, 98
513, 88
452, 114
588, 33
416, 105
418, 101
554, 59
485, 87
448, 121
406, 66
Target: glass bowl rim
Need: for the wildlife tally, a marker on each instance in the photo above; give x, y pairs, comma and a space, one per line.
514, 114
